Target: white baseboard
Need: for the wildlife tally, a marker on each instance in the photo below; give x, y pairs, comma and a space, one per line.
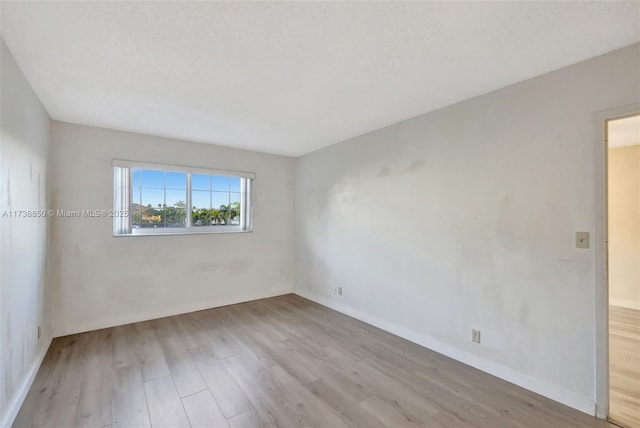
569, 398
629, 304
98, 324
21, 393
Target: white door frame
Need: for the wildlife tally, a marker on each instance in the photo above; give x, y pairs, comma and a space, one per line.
600, 253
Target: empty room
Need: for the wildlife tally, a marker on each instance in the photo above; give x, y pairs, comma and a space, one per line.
320, 214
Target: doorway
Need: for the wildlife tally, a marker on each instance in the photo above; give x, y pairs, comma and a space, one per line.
623, 255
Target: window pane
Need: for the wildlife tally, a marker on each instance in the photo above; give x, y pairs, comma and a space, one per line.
135, 177
234, 209
175, 180
176, 217
152, 197
234, 184
220, 183
136, 208
136, 214
176, 198
135, 196
203, 216
201, 199
152, 178
219, 199
200, 182
152, 217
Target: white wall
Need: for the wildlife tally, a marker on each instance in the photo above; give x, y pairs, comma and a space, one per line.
624, 226
465, 218
24, 142
100, 280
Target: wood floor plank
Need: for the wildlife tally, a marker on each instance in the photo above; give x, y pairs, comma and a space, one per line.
125, 345
250, 419
624, 366
44, 383
223, 387
153, 363
129, 400
203, 411
180, 359
260, 389
165, 407
344, 404
95, 403
60, 405
315, 412
390, 415
210, 336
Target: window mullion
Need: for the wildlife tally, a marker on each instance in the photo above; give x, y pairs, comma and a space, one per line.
189, 199
130, 201
243, 209
164, 200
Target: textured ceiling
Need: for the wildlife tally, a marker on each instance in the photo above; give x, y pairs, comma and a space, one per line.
624, 132
291, 77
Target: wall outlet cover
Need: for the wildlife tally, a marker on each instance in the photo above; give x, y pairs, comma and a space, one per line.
475, 336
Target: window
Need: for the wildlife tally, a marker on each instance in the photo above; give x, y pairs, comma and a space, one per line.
162, 199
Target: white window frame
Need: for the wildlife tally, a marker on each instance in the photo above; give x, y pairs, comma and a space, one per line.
122, 196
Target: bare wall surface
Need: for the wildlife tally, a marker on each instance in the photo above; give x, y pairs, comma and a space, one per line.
100, 280
24, 140
624, 226
465, 218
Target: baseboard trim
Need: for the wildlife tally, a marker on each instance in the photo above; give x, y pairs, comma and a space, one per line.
629, 304
544, 388
66, 330
16, 402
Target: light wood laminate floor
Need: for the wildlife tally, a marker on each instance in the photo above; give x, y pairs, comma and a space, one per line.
283, 361
624, 366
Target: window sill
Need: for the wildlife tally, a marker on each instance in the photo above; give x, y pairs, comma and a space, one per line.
173, 232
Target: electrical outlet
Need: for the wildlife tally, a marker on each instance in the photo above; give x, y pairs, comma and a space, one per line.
339, 291
475, 336
39, 332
